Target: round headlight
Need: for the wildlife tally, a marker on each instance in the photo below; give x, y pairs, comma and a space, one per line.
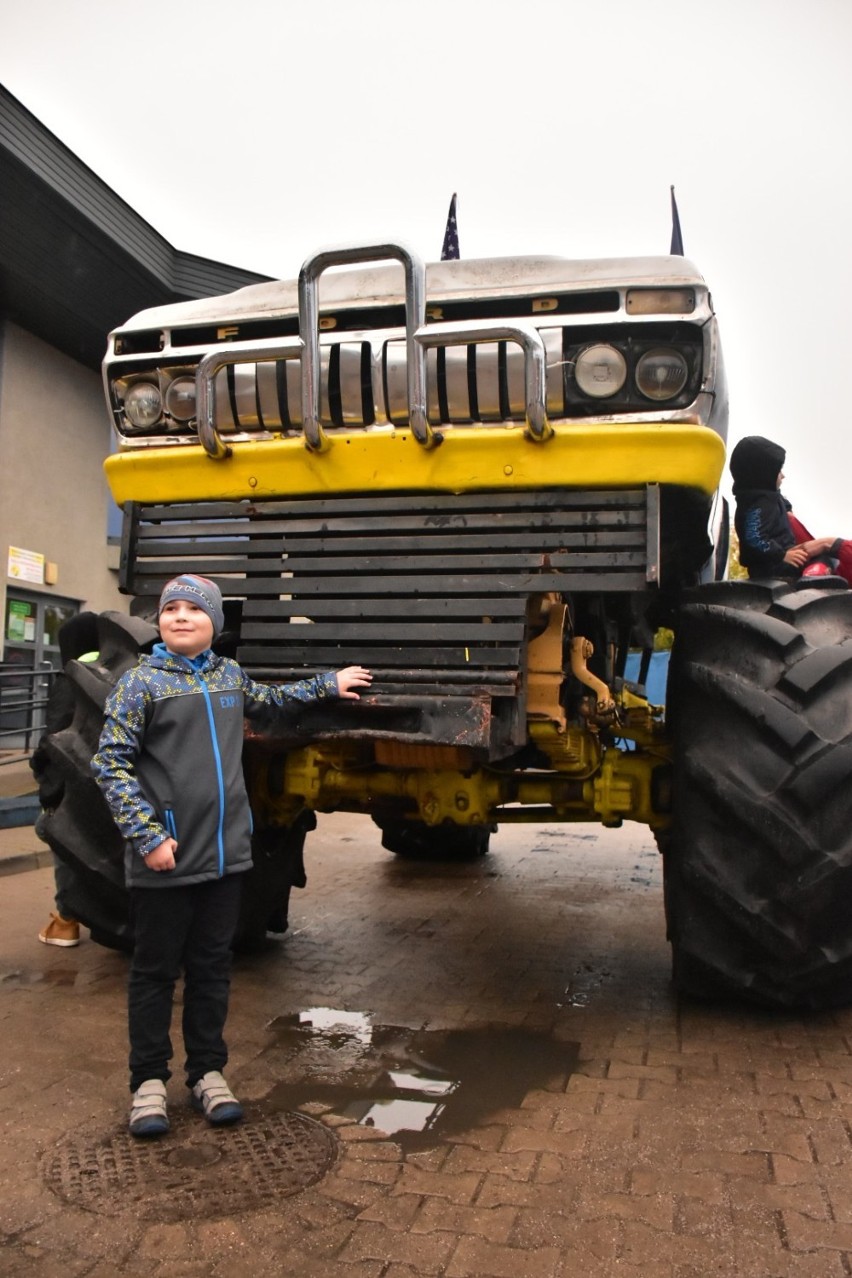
600, 371
143, 404
661, 374
180, 399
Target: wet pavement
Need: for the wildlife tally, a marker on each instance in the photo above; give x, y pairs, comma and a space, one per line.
467, 1070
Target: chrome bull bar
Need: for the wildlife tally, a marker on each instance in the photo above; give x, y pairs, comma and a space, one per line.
415, 319
418, 336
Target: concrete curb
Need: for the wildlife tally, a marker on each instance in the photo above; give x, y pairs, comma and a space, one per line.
21, 862
20, 809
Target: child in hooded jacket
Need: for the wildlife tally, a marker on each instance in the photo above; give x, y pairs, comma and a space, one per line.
169, 763
773, 542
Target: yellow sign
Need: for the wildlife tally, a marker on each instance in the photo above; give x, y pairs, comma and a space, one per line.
25, 565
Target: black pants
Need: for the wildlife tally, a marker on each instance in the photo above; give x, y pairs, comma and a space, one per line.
190, 927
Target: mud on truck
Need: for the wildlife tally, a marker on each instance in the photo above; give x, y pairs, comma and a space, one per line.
489, 481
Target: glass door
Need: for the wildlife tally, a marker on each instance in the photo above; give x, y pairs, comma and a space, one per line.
31, 652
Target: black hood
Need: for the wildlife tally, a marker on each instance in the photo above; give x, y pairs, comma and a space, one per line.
756, 463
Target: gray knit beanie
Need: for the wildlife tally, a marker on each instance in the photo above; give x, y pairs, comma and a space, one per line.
200, 591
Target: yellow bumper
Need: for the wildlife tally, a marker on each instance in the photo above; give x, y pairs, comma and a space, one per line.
620, 455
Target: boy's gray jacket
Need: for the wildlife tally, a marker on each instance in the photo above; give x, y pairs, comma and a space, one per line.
169, 761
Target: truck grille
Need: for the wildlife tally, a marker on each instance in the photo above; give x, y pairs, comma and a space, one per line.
429, 590
364, 382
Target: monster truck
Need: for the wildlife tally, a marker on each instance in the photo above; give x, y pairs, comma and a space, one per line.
490, 481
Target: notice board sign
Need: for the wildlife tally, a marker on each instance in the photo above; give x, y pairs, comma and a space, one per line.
25, 565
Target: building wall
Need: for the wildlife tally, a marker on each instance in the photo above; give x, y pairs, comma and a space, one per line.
54, 500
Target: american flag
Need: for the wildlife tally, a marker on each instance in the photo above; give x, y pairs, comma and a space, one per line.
450, 251
676, 249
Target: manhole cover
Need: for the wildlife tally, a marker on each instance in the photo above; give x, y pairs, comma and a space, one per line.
193, 1170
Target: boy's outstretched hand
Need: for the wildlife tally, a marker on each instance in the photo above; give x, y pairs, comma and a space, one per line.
352, 677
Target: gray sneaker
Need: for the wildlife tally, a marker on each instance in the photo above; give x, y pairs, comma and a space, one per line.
212, 1097
148, 1116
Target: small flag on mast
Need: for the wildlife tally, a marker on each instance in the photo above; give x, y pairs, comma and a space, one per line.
450, 251
676, 249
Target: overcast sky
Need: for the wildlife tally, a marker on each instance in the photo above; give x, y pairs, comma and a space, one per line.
259, 131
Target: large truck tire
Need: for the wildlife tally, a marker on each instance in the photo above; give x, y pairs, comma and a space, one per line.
76, 822
758, 866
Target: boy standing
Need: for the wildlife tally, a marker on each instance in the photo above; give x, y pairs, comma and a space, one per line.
773, 543
169, 763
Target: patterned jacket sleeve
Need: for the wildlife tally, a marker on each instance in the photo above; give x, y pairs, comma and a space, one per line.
278, 696
113, 765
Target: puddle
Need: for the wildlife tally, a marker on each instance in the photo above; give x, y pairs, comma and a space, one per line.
14, 979
419, 1086
572, 836
60, 976
332, 1024
585, 982
21, 978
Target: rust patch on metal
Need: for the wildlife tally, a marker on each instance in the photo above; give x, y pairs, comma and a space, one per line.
403, 754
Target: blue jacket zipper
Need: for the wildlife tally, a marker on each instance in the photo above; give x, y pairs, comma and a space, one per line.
220, 833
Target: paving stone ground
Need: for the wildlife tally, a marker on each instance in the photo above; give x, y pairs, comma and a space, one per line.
640, 1135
